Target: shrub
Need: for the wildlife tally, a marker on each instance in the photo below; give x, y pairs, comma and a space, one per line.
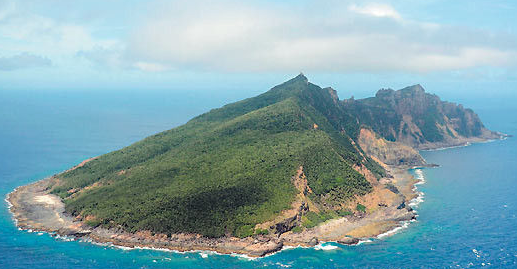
93, 223
312, 219
297, 229
361, 208
343, 213
244, 231
261, 231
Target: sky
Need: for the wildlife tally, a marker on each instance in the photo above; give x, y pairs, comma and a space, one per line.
357, 47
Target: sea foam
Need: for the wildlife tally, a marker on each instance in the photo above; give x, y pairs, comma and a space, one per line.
404, 225
325, 247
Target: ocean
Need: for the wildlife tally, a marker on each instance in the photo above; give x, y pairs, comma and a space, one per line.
467, 218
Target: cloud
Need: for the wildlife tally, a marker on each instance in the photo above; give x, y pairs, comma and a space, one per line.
376, 10
232, 36
249, 36
23, 60
23, 29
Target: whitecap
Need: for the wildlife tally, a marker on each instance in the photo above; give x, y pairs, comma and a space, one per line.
246, 257
283, 265
363, 242
404, 225
123, 247
417, 200
159, 249
325, 247
9, 205
419, 174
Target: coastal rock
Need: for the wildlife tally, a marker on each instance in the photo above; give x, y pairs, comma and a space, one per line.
262, 249
289, 223
314, 241
286, 225
73, 232
409, 215
348, 240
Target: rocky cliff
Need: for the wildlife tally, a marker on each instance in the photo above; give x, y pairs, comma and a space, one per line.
418, 119
388, 152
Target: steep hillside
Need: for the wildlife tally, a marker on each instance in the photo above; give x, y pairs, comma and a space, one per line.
418, 119
388, 152
227, 170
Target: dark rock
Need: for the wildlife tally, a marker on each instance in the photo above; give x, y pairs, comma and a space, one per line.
289, 223
392, 188
314, 241
286, 225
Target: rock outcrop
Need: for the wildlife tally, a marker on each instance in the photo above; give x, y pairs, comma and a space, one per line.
388, 152
418, 119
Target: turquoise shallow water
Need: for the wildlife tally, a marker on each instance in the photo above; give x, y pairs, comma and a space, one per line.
468, 218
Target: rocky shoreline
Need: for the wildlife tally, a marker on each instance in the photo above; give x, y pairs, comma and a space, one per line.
34, 208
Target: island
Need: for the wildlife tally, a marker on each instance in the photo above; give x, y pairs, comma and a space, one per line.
294, 166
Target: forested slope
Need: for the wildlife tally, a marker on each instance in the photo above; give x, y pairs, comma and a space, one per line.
226, 169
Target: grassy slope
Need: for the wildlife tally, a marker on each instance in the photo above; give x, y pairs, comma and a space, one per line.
224, 169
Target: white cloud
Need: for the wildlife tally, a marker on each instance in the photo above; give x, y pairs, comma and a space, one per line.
233, 36
23, 30
244, 36
376, 10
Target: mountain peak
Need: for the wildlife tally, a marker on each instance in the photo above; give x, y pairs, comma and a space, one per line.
301, 77
414, 88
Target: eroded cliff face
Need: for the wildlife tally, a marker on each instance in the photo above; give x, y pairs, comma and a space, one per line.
418, 119
387, 152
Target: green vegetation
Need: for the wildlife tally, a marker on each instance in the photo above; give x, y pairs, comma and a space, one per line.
344, 213
312, 219
361, 208
226, 170
93, 223
261, 231
297, 229
244, 231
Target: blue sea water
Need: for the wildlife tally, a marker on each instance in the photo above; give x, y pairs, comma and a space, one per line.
468, 218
